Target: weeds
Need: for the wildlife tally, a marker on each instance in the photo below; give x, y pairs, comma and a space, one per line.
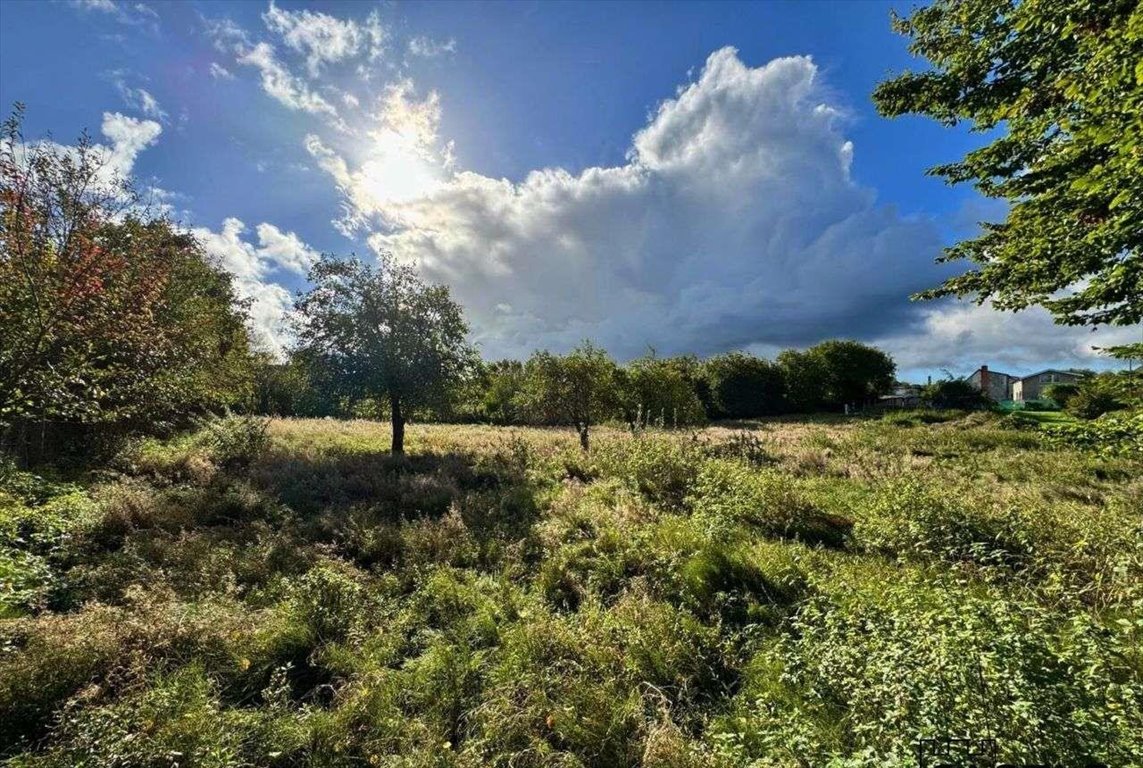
287, 594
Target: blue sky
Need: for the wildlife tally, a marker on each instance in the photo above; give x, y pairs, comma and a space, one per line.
696, 177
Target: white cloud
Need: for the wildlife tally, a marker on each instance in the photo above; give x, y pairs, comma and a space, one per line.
402, 161
141, 99
251, 264
428, 48
961, 336
219, 72
134, 14
734, 222
129, 136
226, 34
321, 38
282, 85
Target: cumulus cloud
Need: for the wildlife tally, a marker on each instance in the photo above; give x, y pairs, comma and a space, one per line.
403, 161
961, 336
733, 222
128, 136
252, 265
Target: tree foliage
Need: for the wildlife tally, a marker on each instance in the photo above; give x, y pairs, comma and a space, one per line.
954, 393
662, 391
107, 316
743, 386
578, 389
383, 333
1064, 82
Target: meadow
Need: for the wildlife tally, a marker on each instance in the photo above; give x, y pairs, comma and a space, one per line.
792, 592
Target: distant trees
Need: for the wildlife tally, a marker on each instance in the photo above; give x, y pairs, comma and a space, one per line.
503, 386
344, 362
381, 332
579, 389
856, 374
109, 318
833, 374
1061, 81
743, 386
661, 391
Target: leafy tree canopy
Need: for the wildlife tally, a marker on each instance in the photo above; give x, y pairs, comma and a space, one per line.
578, 389
743, 386
381, 332
1063, 81
108, 316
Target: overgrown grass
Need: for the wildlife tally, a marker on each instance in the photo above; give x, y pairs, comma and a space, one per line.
786, 593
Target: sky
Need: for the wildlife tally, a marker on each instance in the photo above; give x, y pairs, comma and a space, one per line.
688, 178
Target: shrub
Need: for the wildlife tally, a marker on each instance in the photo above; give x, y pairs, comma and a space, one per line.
911, 519
329, 601
662, 469
886, 656
1113, 434
727, 493
238, 440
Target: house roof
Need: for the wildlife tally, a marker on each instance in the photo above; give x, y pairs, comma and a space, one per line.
992, 372
1050, 370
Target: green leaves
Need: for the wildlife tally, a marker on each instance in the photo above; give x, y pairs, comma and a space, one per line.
1065, 79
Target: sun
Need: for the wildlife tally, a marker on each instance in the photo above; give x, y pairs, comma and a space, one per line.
400, 168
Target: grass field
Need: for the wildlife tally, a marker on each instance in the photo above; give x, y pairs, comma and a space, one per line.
791, 593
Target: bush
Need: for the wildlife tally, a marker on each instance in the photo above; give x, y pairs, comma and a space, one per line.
1113, 434
236, 441
908, 518
728, 493
886, 656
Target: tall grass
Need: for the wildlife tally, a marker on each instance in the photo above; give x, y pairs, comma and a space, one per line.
784, 593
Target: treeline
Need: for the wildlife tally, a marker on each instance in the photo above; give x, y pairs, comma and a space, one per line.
586, 386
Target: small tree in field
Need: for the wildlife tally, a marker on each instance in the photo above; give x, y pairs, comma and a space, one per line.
579, 388
383, 333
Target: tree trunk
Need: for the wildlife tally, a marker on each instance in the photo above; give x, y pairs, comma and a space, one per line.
582, 427
398, 424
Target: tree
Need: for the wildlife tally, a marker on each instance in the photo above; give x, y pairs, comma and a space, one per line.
504, 383
108, 316
383, 333
954, 393
578, 389
1061, 393
658, 389
743, 386
1063, 81
804, 375
854, 373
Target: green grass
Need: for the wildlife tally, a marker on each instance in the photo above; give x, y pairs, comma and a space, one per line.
779, 593
1043, 417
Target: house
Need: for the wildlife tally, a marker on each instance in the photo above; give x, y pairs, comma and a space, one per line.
903, 396
1032, 387
994, 384
1004, 386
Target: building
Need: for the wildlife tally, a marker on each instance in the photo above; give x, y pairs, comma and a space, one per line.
904, 396
1032, 387
994, 384
1000, 386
